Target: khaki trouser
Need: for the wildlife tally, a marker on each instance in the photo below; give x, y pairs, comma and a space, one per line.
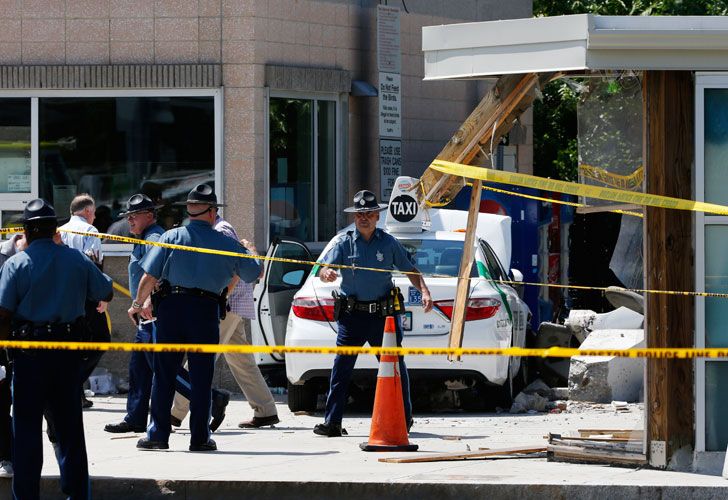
244, 369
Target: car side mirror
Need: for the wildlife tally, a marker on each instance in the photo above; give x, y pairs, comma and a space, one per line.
516, 275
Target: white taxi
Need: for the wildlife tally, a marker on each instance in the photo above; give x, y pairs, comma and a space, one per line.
295, 308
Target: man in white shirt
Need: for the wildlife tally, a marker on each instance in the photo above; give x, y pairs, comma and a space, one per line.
83, 213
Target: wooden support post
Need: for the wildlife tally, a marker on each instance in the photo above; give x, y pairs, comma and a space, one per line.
669, 261
463, 288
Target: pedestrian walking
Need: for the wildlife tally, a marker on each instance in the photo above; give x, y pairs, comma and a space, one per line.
189, 302
42, 296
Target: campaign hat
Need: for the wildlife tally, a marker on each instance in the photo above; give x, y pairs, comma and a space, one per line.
365, 201
202, 194
37, 210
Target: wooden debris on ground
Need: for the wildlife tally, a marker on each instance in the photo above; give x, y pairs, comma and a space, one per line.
603, 446
465, 455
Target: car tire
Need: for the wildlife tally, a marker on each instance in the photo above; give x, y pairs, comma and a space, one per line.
302, 397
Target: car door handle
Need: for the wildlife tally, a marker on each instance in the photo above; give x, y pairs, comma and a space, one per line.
264, 310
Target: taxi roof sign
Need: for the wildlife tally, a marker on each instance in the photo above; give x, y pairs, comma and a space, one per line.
403, 213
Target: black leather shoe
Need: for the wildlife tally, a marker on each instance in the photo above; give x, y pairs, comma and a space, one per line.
122, 427
257, 422
147, 444
220, 400
329, 430
209, 446
174, 421
85, 403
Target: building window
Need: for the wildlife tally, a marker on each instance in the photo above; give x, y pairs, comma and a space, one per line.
711, 263
15, 150
110, 145
302, 152
115, 147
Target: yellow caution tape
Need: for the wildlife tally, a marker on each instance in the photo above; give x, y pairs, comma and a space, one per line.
551, 352
631, 181
598, 192
550, 200
121, 289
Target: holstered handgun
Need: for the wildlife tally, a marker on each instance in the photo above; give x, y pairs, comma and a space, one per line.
162, 290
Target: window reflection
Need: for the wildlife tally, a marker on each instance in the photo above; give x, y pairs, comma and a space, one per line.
15, 146
114, 147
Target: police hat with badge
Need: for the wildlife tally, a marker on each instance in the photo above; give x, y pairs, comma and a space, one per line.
140, 203
365, 201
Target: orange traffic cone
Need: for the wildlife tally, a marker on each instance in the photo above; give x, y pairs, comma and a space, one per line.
389, 429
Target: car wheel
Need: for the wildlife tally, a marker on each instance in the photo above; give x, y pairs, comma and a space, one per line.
302, 397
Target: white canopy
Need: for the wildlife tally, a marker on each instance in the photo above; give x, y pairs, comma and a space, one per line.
572, 43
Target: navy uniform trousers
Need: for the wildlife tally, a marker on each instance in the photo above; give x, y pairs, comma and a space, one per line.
190, 320
48, 379
356, 329
141, 371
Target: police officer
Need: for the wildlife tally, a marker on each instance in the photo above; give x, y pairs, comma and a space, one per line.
142, 222
43, 291
362, 320
189, 303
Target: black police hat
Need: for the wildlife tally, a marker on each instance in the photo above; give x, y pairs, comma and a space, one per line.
366, 201
202, 194
140, 203
37, 210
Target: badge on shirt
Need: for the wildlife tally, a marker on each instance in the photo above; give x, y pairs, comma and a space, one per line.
380, 256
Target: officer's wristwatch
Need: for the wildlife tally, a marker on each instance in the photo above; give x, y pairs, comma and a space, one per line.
136, 305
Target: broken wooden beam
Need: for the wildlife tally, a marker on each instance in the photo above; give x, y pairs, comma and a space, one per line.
465, 455
576, 454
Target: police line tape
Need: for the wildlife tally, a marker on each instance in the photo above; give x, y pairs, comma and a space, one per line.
551, 352
564, 187
126, 239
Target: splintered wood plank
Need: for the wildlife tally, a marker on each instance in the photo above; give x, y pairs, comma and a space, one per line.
466, 262
582, 455
466, 455
617, 433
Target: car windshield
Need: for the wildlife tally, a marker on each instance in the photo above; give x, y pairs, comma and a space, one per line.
436, 256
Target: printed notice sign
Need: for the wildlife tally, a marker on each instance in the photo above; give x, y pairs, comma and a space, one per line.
390, 105
18, 183
388, 39
390, 164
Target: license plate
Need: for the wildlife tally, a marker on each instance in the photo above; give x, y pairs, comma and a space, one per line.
415, 297
406, 321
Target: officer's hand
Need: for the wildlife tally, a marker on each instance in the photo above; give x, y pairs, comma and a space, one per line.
133, 315
102, 307
249, 246
426, 301
146, 310
328, 275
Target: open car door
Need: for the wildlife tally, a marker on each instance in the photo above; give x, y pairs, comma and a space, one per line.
274, 293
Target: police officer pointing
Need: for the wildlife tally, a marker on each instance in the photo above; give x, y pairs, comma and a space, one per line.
361, 318
189, 302
43, 291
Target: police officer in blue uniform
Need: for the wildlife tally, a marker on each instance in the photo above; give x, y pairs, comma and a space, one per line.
361, 318
43, 292
189, 301
141, 216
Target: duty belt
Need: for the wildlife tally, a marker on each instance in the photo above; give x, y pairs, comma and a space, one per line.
367, 307
73, 332
197, 292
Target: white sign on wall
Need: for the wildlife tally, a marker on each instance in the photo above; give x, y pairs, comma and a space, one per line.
390, 105
388, 39
390, 162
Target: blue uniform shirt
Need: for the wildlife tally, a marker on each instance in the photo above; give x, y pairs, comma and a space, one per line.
152, 233
51, 283
199, 270
382, 251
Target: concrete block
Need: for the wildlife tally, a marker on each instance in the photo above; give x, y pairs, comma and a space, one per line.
602, 379
583, 321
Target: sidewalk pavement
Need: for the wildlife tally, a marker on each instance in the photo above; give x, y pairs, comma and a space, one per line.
289, 461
